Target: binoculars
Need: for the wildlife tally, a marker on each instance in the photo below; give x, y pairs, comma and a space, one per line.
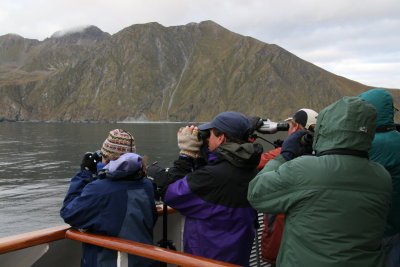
269, 127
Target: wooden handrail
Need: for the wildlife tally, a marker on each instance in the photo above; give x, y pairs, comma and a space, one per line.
169, 209
34, 238
16, 242
30, 239
144, 250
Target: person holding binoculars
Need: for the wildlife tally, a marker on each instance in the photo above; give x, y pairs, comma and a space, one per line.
111, 196
302, 122
336, 201
208, 185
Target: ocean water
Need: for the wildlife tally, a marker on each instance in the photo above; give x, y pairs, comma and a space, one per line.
38, 159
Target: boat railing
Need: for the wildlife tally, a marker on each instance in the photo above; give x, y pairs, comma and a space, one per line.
42, 238
26, 240
125, 247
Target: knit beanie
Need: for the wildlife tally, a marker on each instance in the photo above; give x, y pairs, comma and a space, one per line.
117, 143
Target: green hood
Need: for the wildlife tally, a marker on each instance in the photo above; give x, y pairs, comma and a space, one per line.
346, 124
382, 100
245, 155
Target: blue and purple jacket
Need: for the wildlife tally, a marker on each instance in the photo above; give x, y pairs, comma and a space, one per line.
220, 223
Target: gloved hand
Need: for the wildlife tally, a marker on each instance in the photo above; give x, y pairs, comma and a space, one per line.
307, 139
158, 175
278, 143
189, 142
292, 147
89, 161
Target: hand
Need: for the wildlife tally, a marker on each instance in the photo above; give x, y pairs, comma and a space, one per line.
189, 142
158, 175
292, 147
89, 161
278, 143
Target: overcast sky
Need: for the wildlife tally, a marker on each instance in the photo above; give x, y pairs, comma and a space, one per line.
357, 39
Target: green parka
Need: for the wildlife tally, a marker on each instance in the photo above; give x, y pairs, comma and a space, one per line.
336, 202
386, 150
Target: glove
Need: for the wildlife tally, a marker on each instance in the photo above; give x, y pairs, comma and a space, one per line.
307, 139
89, 161
189, 142
292, 147
278, 143
158, 175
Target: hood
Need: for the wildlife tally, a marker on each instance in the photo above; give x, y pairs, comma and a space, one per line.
129, 162
382, 100
346, 124
245, 155
127, 166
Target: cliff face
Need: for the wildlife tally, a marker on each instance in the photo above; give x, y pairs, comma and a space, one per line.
151, 72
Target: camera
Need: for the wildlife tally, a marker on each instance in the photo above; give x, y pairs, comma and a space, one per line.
97, 154
269, 127
159, 178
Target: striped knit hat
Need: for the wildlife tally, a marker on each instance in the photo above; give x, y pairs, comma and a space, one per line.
117, 143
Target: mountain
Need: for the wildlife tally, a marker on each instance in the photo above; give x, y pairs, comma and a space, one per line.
156, 73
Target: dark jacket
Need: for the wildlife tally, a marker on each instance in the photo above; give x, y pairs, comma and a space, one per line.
219, 220
335, 202
119, 204
386, 150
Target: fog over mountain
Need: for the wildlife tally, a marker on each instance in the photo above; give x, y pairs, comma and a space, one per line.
148, 72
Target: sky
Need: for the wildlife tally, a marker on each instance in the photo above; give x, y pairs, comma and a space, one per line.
356, 39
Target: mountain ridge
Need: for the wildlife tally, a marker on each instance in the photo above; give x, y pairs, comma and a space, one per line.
148, 72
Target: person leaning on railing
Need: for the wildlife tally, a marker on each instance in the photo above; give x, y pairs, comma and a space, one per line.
118, 201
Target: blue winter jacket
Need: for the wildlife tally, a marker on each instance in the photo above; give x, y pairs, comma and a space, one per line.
386, 149
119, 204
219, 220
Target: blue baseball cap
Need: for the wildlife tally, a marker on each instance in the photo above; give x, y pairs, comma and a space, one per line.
232, 123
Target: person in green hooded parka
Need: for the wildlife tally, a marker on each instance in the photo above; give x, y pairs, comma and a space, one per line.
386, 151
335, 202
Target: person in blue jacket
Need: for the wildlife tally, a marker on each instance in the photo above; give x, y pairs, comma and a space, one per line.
386, 151
210, 189
117, 201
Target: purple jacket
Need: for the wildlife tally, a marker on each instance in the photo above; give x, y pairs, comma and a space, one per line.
219, 220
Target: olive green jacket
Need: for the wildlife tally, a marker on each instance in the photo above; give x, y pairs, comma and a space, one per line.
336, 202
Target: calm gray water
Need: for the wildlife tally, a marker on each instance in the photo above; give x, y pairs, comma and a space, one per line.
37, 161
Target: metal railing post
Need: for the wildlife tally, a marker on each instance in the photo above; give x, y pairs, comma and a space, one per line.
122, 260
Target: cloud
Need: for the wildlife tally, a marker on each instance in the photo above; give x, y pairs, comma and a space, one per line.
375, 74
70, 30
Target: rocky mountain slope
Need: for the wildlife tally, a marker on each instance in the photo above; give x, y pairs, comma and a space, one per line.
156, 73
